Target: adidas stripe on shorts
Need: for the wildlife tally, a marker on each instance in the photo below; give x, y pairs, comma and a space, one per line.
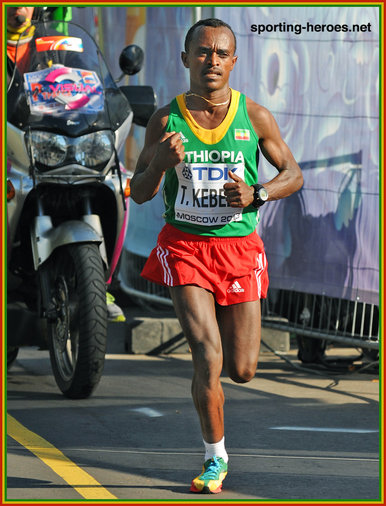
234, 269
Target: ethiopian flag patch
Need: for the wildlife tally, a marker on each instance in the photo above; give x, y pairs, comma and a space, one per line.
242, 134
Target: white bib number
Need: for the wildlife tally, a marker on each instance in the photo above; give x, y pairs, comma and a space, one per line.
200, 198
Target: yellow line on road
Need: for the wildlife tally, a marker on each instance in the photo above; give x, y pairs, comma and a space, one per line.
81, 481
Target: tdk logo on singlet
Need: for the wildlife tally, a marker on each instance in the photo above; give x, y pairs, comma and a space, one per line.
202, 172
211, 165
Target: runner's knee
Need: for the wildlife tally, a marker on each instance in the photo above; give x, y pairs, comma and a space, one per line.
240, 374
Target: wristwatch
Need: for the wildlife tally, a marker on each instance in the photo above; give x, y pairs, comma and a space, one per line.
260, 195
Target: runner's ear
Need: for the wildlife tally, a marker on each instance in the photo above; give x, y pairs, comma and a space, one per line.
184, 58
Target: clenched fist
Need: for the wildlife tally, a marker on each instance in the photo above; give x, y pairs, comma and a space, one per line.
238, 194
169, 152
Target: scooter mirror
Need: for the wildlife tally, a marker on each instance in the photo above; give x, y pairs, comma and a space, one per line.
131, 59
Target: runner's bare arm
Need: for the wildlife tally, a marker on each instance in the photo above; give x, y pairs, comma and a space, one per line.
275, 150
162, 150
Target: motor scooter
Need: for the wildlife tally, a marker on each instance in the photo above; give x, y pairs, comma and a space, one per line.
67, 197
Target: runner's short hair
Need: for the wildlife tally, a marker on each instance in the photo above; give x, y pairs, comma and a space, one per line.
213, 22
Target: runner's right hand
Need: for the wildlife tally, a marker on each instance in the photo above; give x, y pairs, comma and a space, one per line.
170, 151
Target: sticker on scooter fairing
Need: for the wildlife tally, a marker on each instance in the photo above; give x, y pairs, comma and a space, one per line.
59, 43
59, 90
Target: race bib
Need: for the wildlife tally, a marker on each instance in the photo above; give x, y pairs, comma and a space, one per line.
200, 198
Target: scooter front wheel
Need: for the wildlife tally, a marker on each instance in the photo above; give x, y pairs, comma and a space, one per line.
12, 353
77, 327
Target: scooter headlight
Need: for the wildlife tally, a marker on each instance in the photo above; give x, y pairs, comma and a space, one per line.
94, 149
48, 149
51, 150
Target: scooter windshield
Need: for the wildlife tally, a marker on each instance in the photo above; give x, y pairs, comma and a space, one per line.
61, 82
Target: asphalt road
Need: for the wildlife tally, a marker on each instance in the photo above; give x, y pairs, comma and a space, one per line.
291, 434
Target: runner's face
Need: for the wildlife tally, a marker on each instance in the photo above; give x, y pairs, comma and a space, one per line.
13, 12
210, 58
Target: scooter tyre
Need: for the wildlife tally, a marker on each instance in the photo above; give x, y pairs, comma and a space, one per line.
77, 339
12, 353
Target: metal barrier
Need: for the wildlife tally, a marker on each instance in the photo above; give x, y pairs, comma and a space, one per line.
348, 322
352, 323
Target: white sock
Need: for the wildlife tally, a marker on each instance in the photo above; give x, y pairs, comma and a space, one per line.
216, 450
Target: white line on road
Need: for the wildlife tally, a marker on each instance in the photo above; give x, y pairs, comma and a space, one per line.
326, 429
147, 411
244, 455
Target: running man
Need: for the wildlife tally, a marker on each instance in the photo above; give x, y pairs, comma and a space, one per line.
204, 147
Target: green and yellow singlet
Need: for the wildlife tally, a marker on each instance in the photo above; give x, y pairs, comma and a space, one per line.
193, 190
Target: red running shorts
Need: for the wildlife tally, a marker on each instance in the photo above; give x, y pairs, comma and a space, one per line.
234, 269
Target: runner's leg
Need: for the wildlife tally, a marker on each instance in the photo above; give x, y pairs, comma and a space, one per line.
195, 309
240, 327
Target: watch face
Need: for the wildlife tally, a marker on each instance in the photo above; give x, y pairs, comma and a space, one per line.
263, 194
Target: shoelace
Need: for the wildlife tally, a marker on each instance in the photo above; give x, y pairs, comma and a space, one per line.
212, 469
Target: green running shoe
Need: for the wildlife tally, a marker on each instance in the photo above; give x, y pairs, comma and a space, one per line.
211, 478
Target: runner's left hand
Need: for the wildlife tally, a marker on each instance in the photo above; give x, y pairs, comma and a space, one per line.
238, 194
